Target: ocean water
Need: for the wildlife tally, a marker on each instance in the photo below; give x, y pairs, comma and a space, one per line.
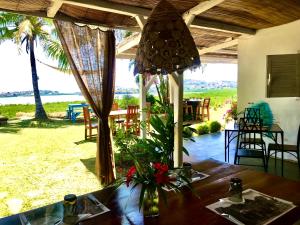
49, 98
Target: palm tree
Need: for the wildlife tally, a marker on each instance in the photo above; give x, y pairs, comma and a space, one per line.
31, 30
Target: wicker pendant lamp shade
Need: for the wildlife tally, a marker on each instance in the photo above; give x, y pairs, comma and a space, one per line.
166, 44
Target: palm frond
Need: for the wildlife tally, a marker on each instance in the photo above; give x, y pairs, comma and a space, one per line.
54, 50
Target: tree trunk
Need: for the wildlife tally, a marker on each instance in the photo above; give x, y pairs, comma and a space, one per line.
40, 113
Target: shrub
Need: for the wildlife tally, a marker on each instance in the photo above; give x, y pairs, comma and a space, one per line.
214, 126
202, 129
150, 98
187, 132
127, 100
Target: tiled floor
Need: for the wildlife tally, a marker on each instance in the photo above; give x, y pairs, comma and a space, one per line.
212, 146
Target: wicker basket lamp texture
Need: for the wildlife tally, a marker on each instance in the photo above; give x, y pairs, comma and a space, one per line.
166, 44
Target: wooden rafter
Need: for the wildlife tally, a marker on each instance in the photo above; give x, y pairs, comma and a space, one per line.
64, 17
128, 44
141, 21
217, 26
54, 7
190, 15
134, 11
110, 7
204, 58
218, 46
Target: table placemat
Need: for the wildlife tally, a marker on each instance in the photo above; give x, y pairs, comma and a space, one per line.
196, 176
53, 214
256, 209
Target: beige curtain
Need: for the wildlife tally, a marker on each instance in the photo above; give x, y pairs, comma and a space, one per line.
91, 54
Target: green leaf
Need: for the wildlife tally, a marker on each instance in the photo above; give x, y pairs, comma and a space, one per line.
141, 201
185, 151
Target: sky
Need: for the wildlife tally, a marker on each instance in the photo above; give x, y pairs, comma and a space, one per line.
15, 74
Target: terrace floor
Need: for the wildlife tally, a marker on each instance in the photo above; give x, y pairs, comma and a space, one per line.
212, 146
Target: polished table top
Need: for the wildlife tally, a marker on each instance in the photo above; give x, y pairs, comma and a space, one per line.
186, 208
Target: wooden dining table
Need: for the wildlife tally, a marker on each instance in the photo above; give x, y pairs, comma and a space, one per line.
119, 112
190, 208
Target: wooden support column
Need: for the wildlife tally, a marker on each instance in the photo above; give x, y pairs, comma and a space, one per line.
177, 82
142, 96
171, 90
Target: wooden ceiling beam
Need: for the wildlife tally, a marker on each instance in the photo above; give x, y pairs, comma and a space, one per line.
110, 7
134, 11
63, 17
204, 58
141, 21
128, 44
190, 15
54, 7
226, 51
218, 46
224, 27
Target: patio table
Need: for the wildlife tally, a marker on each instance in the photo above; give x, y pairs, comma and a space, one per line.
231, 133
116, 113
72, 114
189, 208
194, 103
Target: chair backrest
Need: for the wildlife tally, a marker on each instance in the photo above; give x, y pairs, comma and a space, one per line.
115, 106
249, 130
132, 113
206, 102
252, 115
86, 116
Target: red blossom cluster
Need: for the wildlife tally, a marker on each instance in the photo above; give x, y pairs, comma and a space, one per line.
130, 174
160, 173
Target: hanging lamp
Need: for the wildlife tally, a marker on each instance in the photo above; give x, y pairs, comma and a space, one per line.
166, 45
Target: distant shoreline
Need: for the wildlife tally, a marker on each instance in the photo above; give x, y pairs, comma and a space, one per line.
17, 100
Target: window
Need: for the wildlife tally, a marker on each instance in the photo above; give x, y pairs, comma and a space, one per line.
283, 75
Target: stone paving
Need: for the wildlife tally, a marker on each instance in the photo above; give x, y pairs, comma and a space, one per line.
212, 146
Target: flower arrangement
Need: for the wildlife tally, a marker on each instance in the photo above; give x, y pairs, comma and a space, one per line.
232, 113
152, 178
152, 163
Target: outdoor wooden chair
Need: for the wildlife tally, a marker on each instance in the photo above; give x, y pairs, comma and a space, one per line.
293, 150
88, 125
116, 120
132, 119
202, 111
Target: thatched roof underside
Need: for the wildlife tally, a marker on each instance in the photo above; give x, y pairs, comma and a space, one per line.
224, 22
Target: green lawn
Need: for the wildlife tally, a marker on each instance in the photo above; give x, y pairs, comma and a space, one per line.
11, 111
218, 96
39, 166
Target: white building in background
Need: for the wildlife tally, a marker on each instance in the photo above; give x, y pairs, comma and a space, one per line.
252, 74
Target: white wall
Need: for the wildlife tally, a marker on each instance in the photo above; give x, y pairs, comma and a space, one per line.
252, 72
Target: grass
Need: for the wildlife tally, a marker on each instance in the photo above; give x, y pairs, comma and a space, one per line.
40, 163
11, 111
218, 96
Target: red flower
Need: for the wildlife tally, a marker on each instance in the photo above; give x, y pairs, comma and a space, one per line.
130, 174
161, 167
161, 178
161, 175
